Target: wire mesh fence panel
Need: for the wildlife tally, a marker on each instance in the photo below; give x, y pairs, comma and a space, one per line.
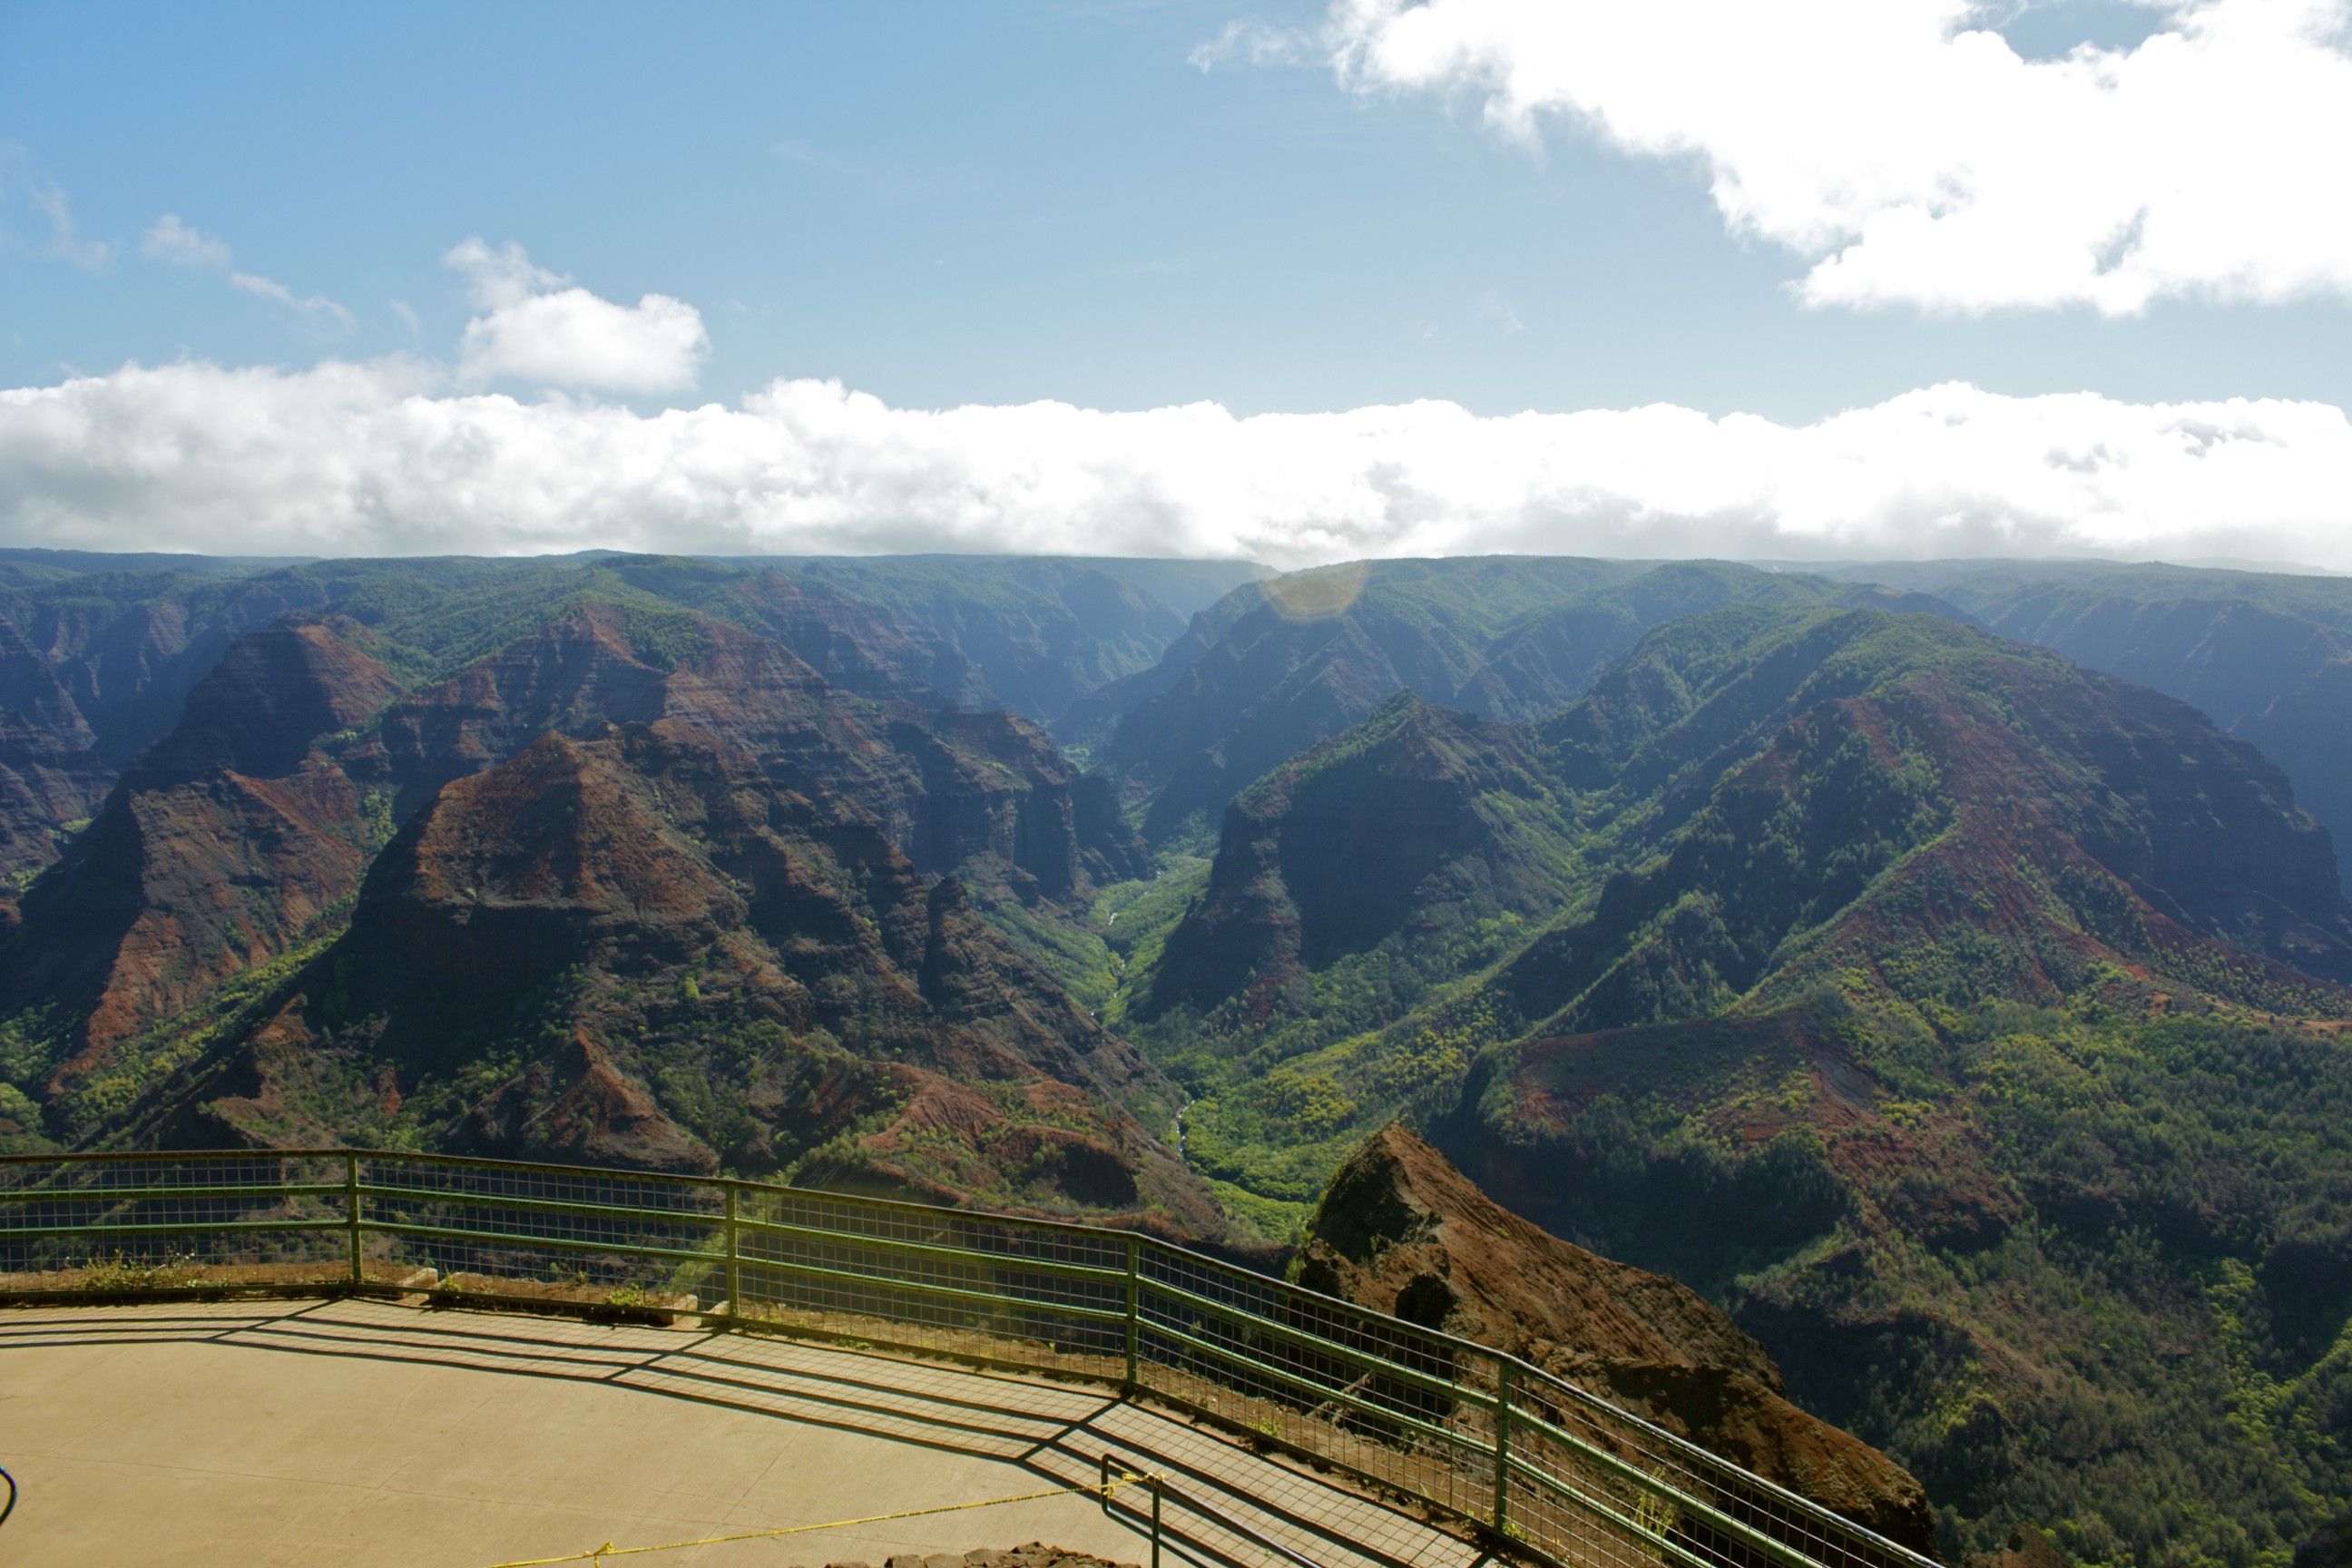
165, 1222
1475, 1436
1382, 1398
1709, 1508
546, 1232
1007, 1289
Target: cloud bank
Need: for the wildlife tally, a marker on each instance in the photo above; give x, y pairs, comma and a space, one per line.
1908, 153
385, 459
532, 327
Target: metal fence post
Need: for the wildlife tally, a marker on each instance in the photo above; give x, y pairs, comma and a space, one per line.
1502, 1445
351, 1211
734, 1261
1134, 1253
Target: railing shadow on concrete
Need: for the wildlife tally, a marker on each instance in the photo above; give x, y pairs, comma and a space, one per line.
1222, 1509
1541, 1467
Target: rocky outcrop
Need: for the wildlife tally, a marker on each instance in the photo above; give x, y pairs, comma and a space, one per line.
1402, 1231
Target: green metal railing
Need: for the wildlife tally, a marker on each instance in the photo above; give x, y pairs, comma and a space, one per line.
1484, 1439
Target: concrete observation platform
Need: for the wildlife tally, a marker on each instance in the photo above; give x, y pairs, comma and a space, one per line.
357, 1433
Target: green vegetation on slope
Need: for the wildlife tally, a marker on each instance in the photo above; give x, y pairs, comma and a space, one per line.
2150, 1359
1848, 924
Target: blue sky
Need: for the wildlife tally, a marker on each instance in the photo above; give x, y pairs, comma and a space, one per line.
992, 203
956, 203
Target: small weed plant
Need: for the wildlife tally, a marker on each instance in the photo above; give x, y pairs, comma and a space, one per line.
122, 1273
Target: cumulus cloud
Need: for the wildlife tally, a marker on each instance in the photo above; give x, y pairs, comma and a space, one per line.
534, 327
175, 243
1906, 150
381, 458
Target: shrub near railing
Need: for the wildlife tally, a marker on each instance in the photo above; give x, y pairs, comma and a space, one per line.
1481, 1437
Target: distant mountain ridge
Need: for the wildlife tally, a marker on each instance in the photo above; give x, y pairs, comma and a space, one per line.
2266, 656
97, 653
1277, 666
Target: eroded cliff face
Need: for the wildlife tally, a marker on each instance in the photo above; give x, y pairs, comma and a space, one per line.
1401, 1230
637, 949
94, 671
229, 842
635, 887
243, 833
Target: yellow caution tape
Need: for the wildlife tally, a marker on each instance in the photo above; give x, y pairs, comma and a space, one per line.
598, 1554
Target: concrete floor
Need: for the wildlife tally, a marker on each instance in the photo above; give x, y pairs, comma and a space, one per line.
359, 1433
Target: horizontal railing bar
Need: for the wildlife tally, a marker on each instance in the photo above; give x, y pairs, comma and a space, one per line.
940, 1215
653, 1178
714, 1219
10, 1232
156, 1195
932, 1249
561, 1244
1363, 1359
939, 1212
858, 1201
1106, 1314
851, 1200
169, 1156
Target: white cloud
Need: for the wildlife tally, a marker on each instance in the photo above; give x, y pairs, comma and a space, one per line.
497, 279
316, 309
1248, 41
1913, 156
1494, 308
177, 244
65, 243
20, 176
377, 458
535, 329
